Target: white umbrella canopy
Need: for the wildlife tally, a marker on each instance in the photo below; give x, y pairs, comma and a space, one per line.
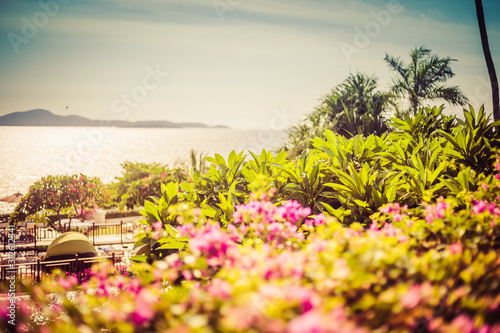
14, 198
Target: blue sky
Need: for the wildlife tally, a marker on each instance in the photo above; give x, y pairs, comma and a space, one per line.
231, 62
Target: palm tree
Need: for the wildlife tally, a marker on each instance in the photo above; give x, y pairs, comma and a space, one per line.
420, 79
356, 106
489, 60
353, 107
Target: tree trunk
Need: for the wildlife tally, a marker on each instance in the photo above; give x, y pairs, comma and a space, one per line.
59, 218
489, 60
414, 105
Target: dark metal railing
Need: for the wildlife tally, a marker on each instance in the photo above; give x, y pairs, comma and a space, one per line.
26, 238
37, 268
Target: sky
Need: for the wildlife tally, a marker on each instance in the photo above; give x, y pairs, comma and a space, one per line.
240, 63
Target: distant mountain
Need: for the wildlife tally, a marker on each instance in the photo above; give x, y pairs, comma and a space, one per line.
40, 117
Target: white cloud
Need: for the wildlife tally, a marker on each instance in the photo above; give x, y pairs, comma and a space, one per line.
264, 55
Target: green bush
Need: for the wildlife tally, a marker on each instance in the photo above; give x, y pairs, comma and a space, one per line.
411, 244
351, 178
140, 181
433, 268
76, 195
354, 107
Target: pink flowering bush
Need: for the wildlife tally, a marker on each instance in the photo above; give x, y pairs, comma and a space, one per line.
270, 223
270, 266
276, 269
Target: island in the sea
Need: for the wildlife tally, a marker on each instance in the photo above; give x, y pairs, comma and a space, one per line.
40, 117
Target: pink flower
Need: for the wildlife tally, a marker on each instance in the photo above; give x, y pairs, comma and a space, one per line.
319, 219
463, 324
212, 243
134, 286
493, 209
311, 322
478, 207
395, 209
403, 238
174, 261
164, 175
437, 211
275, 227
187, 274
387, 209
143, 307
374, 228
157, 225
308, 224
68, 283
220, 289
456, 248
187, 229
389, 230
255, 211
291, 211
484, 329
273, 224
308, 299
412, 297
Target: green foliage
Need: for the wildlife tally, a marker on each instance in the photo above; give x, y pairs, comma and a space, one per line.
433, 268
140, 181
427, 122
362, 192
198, 162
475, 140
353, 107
76, 194
306, 181
421, 79
413, 245
160, 237
339, 151
351, 178
356, 107
359, 180
222, 187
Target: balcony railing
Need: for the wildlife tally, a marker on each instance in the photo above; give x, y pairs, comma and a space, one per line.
37, 268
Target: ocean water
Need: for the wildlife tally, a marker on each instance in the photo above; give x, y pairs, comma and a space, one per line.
29, 153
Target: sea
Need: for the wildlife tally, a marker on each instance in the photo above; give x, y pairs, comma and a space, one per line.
28, 153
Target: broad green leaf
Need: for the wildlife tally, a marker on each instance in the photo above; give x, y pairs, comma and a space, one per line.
173, 245
139, 258
151, 211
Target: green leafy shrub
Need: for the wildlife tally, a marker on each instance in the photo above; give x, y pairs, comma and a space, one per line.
475, 140
432, 268
306, 181
350, 178
353, 107
426, 122
140, 181
159, 237
75, 194
222, 187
